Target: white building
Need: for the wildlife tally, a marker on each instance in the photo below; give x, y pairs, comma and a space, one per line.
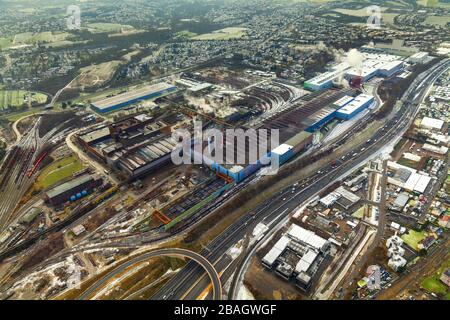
393, 241
439, 150
396, 262
431, 123
419, 57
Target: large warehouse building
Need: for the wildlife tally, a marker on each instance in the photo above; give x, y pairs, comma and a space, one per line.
374, 64
296, 128
72, 190
125, 99
361, 102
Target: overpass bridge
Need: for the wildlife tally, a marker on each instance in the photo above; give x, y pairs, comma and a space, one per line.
170, 252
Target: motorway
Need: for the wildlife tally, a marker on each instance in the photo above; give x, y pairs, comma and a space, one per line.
182, 253
190, 282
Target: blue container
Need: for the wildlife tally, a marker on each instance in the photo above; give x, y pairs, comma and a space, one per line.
78, 195
73, 198
84, 193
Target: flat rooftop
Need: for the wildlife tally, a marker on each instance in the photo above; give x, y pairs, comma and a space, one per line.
132, 95
95, 134
56, 191
356, 104
146, 153
292, 122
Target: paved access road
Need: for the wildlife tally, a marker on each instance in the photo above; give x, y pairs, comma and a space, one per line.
172, 252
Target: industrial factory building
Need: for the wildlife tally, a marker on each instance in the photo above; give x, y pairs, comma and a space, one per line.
297, 255
194, 87
125, 99
134, 145
73, 190
355, 106
296, 128
373, 65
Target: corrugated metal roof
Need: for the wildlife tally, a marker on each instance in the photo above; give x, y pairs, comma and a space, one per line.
306, 236
277, 249
68, 185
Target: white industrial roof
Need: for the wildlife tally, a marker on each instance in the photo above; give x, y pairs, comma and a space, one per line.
324, 77
330, 199
306, 236
347, 194
391, 65
432, 123
282, 149
310, 256
417, 182
302, 265
306, 261
412, 181
422, 184
412, 157
343, 101
132, 94
432, 148
200, 87
397, 166
419, 55
277, 249
356, 104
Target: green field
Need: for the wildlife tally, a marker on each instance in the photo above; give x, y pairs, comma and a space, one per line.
223, 34
409, 163
359, 214
108, 27
185, 34
5, 43
437, 20
432, 283
19, 98
13, 117
41, 37
412, 238
58, 171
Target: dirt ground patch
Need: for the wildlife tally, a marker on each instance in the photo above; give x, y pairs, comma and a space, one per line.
266, 285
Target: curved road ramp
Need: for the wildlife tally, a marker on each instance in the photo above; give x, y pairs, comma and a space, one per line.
172, 252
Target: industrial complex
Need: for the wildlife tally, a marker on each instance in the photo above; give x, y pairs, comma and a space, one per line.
122, 100
298, 255
134, 145
292, 166
368, 66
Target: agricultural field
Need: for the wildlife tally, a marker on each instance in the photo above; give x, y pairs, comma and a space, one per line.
19, 98
96, 75
432, 284
385, 16
58, 171
433, 3
223, 34
185, 34
41, 37
412, 238
437, 20
108, 28
5, 43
